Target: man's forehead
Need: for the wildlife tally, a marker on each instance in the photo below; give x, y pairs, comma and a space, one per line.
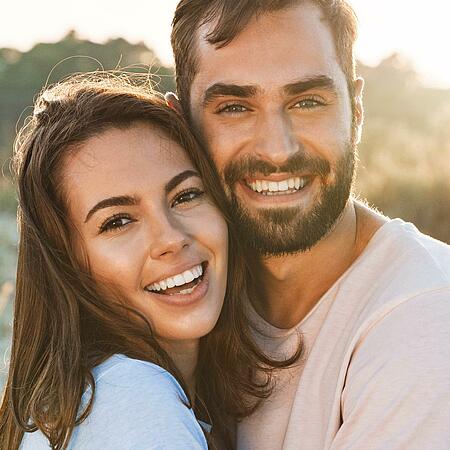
278, 47
210, 25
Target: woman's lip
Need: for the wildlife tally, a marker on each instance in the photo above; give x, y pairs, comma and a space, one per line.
178, 270
196, 295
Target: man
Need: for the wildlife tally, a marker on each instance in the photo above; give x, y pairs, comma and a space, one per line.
270, 85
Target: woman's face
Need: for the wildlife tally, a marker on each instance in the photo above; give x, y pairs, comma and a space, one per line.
147, 230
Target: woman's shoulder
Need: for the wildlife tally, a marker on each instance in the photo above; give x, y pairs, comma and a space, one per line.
139, 405
122, 375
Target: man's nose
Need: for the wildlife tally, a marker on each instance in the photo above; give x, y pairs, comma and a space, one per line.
168, 237
276, 141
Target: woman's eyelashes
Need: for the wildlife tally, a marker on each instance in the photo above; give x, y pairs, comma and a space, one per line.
183, 199
187, 196
115, 222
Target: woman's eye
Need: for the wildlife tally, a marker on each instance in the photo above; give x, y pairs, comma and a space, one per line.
115, 223
233, 108
308, 103
187, 196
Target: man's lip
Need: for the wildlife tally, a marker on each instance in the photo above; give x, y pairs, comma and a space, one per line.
176, 270
276, 177
277, 201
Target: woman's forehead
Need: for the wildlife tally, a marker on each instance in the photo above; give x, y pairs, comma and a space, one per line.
130, 161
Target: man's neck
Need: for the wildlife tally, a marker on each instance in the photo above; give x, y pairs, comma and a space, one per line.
290, 286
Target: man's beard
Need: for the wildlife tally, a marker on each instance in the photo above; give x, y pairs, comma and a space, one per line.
281, 231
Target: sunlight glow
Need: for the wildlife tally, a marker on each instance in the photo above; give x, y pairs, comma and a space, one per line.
416, 29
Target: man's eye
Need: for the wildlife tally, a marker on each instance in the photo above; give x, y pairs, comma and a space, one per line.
187, 196
309, 103
115, 223
233, 108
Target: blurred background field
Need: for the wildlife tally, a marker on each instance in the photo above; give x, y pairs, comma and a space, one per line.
404, 155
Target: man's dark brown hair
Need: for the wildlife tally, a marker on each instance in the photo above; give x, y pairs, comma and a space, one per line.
231, 17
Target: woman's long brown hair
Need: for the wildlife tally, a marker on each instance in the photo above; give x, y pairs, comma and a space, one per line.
63, 326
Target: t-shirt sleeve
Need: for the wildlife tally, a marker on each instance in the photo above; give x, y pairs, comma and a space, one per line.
139, 406
397, 389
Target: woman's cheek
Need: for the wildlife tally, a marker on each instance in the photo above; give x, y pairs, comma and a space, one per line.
210, 222
114, 256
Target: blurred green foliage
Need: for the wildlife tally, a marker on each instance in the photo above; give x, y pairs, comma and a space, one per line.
405, 151
23, 75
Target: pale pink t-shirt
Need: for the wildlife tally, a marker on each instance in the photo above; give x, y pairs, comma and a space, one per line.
376, 370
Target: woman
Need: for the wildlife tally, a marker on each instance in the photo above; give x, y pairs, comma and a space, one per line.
121, 276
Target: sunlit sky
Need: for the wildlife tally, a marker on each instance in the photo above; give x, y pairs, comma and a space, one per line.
417, 29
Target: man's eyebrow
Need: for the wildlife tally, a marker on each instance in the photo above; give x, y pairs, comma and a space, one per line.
300, 86
177, 179
123, 200
223, 89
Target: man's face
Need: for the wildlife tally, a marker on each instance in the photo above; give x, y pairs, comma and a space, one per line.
274, 110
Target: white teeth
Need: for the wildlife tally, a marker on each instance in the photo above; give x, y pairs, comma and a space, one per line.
273, 186
178, 280
283, 186
188, 276
268, 187
187, 291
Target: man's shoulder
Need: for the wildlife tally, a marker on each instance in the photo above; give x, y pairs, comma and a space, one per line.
399, 265
399, 258
419, 246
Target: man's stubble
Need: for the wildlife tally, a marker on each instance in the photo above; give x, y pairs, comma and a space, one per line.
282, 231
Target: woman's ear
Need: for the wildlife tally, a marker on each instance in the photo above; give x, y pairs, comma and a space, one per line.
173, 102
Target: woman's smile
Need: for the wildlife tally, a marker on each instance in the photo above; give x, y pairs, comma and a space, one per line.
178, 291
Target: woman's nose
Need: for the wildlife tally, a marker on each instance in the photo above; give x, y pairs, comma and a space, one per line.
168, 238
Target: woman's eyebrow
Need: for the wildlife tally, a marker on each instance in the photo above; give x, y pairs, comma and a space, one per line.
124, 200
177, 179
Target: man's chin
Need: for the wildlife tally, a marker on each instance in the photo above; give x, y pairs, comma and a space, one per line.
280, 230
276, 231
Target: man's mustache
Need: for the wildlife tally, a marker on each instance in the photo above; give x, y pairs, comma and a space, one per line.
249, 166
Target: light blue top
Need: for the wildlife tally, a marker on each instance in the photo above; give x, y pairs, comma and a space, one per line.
137, 406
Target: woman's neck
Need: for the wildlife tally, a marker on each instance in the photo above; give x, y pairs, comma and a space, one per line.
184, 354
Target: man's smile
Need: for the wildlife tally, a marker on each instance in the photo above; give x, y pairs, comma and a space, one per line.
285, 186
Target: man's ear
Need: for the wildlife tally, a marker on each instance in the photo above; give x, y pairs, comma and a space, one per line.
359, 108
173, 102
